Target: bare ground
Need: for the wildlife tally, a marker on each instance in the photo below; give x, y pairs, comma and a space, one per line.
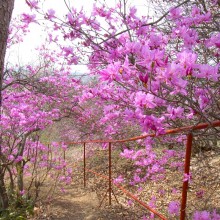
79, 203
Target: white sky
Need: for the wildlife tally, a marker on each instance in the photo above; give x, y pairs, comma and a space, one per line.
24, 52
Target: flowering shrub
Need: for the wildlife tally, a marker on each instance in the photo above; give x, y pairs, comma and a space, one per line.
147, 79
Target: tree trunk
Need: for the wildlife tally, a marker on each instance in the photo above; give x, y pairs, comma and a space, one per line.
20, 181
3, 192
20, 167
6, 8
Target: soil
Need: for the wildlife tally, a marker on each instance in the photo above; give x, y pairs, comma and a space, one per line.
79, 203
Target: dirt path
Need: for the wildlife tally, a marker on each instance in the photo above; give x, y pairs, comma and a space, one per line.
82, 204
77, 203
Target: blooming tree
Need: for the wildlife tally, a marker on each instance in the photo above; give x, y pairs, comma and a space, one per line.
157, 77
149, 75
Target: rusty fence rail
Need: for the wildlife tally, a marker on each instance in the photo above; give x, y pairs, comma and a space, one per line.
188, 129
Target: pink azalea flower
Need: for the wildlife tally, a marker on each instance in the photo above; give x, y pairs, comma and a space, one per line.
204, 215
215, 215
18, 159
187, 58
137, 178
175, 13
127, 153
22, 192
152, 202
26, 18
132, 12
68, 50
143, 78
130, 202
32, 4
50, 14
214, 40
174, 207
118, 180
187, 177
142, 99
174, 113
11, 157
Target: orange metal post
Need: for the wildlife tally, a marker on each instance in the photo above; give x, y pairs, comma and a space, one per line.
186, 171
84, 161
64, 154
64, 158
110, 172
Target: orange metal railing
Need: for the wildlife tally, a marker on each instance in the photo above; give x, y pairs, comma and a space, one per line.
188, 129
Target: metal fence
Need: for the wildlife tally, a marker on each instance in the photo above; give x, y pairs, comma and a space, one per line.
188, 131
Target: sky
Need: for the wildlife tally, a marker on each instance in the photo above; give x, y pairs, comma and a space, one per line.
24, 53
